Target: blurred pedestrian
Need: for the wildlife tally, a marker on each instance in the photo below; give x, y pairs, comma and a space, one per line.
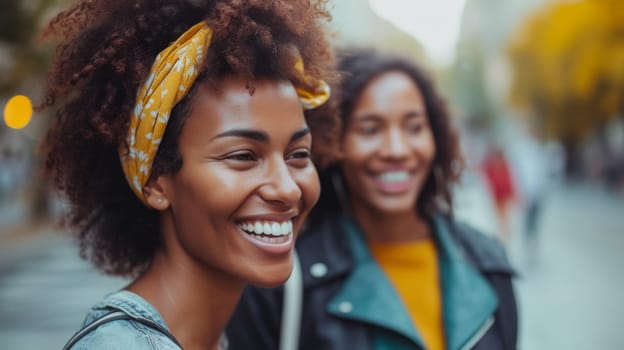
535, 166
182, 146
500, 181
384, 264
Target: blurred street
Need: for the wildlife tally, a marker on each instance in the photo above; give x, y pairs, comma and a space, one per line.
571, 293
570, 281
569, 288
45, 291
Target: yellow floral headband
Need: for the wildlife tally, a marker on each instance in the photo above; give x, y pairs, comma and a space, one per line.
172, 75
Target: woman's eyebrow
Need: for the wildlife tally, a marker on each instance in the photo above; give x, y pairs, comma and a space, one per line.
367, 117
299, 134
260, 136
417, 112
255, 135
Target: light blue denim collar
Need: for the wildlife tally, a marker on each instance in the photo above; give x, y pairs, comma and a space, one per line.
132, 304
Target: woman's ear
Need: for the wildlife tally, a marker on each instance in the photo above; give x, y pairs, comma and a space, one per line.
155, 194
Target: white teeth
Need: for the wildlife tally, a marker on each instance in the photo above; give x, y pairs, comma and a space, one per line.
286, 227
272, 228
277, 229
272, 239
394, 176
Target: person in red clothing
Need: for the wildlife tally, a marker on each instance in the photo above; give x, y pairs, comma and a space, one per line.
501, 185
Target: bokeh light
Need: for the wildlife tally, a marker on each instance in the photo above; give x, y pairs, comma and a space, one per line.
18, 112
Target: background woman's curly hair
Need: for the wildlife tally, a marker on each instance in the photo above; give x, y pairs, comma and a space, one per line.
358, 67
106, 51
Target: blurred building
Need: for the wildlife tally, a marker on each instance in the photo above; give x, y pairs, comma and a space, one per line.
356, 24
481, 72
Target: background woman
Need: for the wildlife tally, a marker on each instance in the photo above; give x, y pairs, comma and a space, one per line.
181, 144
385, 266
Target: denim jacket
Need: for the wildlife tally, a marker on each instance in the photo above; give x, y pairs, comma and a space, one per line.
125, 334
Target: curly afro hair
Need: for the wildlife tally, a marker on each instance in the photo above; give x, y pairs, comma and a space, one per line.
358, 67
106, 50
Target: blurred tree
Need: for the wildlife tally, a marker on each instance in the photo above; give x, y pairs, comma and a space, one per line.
19, 24
568, 64
466, 81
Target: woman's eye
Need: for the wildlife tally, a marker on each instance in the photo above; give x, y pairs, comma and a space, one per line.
304, 154
241, 157
368, 129
415, 128
299, 158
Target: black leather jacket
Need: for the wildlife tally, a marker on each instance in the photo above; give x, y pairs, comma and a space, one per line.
256, 321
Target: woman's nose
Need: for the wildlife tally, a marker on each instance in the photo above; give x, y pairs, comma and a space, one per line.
280, 186
395, 144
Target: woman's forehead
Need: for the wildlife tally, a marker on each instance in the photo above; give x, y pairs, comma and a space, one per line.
386, 90
273, 104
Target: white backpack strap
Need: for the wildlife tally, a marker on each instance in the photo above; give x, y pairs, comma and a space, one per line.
291, 313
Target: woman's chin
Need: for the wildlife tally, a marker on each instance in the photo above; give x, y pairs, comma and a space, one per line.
274, 276
395, 207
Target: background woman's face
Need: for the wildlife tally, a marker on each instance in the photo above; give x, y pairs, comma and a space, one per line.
246, 182
388, 146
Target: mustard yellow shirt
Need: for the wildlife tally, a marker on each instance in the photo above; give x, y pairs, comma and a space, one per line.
412, 268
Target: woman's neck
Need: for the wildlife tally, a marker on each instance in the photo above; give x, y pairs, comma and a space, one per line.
391, 227
195, 301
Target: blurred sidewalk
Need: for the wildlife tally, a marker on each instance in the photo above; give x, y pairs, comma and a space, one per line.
570, 282
570, 291
12, 215
45, 288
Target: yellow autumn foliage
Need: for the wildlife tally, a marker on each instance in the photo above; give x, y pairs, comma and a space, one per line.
568, 65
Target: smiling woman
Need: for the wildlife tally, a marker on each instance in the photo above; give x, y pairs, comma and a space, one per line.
183, 142
246, 163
